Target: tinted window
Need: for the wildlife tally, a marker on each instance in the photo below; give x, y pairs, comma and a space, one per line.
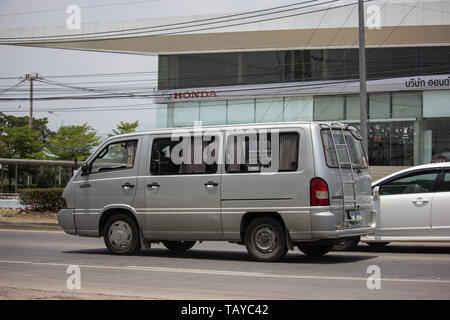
414, 183
117, 155
233, 68
245, 154
163, 161
446, 182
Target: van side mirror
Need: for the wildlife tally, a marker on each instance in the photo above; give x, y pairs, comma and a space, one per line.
84, 169
376, 193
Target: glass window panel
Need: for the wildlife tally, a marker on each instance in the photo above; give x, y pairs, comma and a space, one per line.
405, 62
185, 113
161, 116
213, 112
406, 105
379, 106
298, 109
161, 157
378, 63
436, 103
353, 108
243, 153
115, 156
241, 111
329, 108
414, 183
446, 182
269, 110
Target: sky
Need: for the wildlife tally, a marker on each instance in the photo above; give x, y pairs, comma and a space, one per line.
17, 61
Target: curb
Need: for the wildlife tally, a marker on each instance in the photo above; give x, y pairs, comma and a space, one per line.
30, 226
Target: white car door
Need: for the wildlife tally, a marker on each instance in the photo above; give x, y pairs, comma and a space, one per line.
440, 212
405, 205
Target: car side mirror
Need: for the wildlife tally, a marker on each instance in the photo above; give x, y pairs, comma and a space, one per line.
84, 169
376, 193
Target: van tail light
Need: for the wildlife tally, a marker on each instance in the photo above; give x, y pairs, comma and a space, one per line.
319, 193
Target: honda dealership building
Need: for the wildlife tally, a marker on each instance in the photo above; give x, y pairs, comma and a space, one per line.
304, 66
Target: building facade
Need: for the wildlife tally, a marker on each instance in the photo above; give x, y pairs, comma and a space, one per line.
408, 94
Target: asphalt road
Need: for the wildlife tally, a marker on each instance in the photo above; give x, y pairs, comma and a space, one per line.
33, 265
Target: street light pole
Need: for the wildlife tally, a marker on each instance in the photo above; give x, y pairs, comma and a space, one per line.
362, 75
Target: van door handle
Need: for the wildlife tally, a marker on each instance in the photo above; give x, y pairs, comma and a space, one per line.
85, 185
127, 186
211, 184
153, 185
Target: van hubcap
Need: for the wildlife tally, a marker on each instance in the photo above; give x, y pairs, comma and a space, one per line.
265, 239
120, 235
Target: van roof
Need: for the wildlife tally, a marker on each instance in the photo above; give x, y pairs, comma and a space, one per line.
237, 126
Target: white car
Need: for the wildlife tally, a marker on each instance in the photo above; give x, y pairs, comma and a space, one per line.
412, 205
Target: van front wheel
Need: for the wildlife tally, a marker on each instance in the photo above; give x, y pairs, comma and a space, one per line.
178, 246
121, 235
265, 239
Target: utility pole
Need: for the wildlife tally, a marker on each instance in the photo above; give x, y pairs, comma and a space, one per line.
31, 77
362, 75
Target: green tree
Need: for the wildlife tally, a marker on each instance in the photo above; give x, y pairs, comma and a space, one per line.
124, 127
40, 125
73, 142
20, 142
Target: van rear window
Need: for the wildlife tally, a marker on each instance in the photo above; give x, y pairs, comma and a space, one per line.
355, 148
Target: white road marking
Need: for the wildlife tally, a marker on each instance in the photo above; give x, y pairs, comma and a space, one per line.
229, 273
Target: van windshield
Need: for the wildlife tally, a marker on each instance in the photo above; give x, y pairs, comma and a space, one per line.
355, 148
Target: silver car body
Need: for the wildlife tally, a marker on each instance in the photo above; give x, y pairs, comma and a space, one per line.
185, 207
416, 213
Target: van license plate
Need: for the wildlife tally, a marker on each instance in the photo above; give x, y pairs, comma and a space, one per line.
354, 215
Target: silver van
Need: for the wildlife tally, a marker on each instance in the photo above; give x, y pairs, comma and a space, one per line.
269, 187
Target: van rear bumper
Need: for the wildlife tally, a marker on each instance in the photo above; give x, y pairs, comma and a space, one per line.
342, 233
66, 219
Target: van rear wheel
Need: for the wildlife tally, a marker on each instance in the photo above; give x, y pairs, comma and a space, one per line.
121, 235
315, 250
265, 239
178, 246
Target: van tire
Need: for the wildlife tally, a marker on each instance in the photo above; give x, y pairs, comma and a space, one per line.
263, 232
121, 235
347, 244
315, 250
178, 246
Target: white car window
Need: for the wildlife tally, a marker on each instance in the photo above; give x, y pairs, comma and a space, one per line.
415, 183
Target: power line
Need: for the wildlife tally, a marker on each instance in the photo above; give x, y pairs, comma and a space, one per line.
12, 87
83, 7
82, 37
187, 22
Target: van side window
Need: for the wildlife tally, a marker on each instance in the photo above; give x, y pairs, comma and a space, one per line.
115, 156
245, 156
163, 164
